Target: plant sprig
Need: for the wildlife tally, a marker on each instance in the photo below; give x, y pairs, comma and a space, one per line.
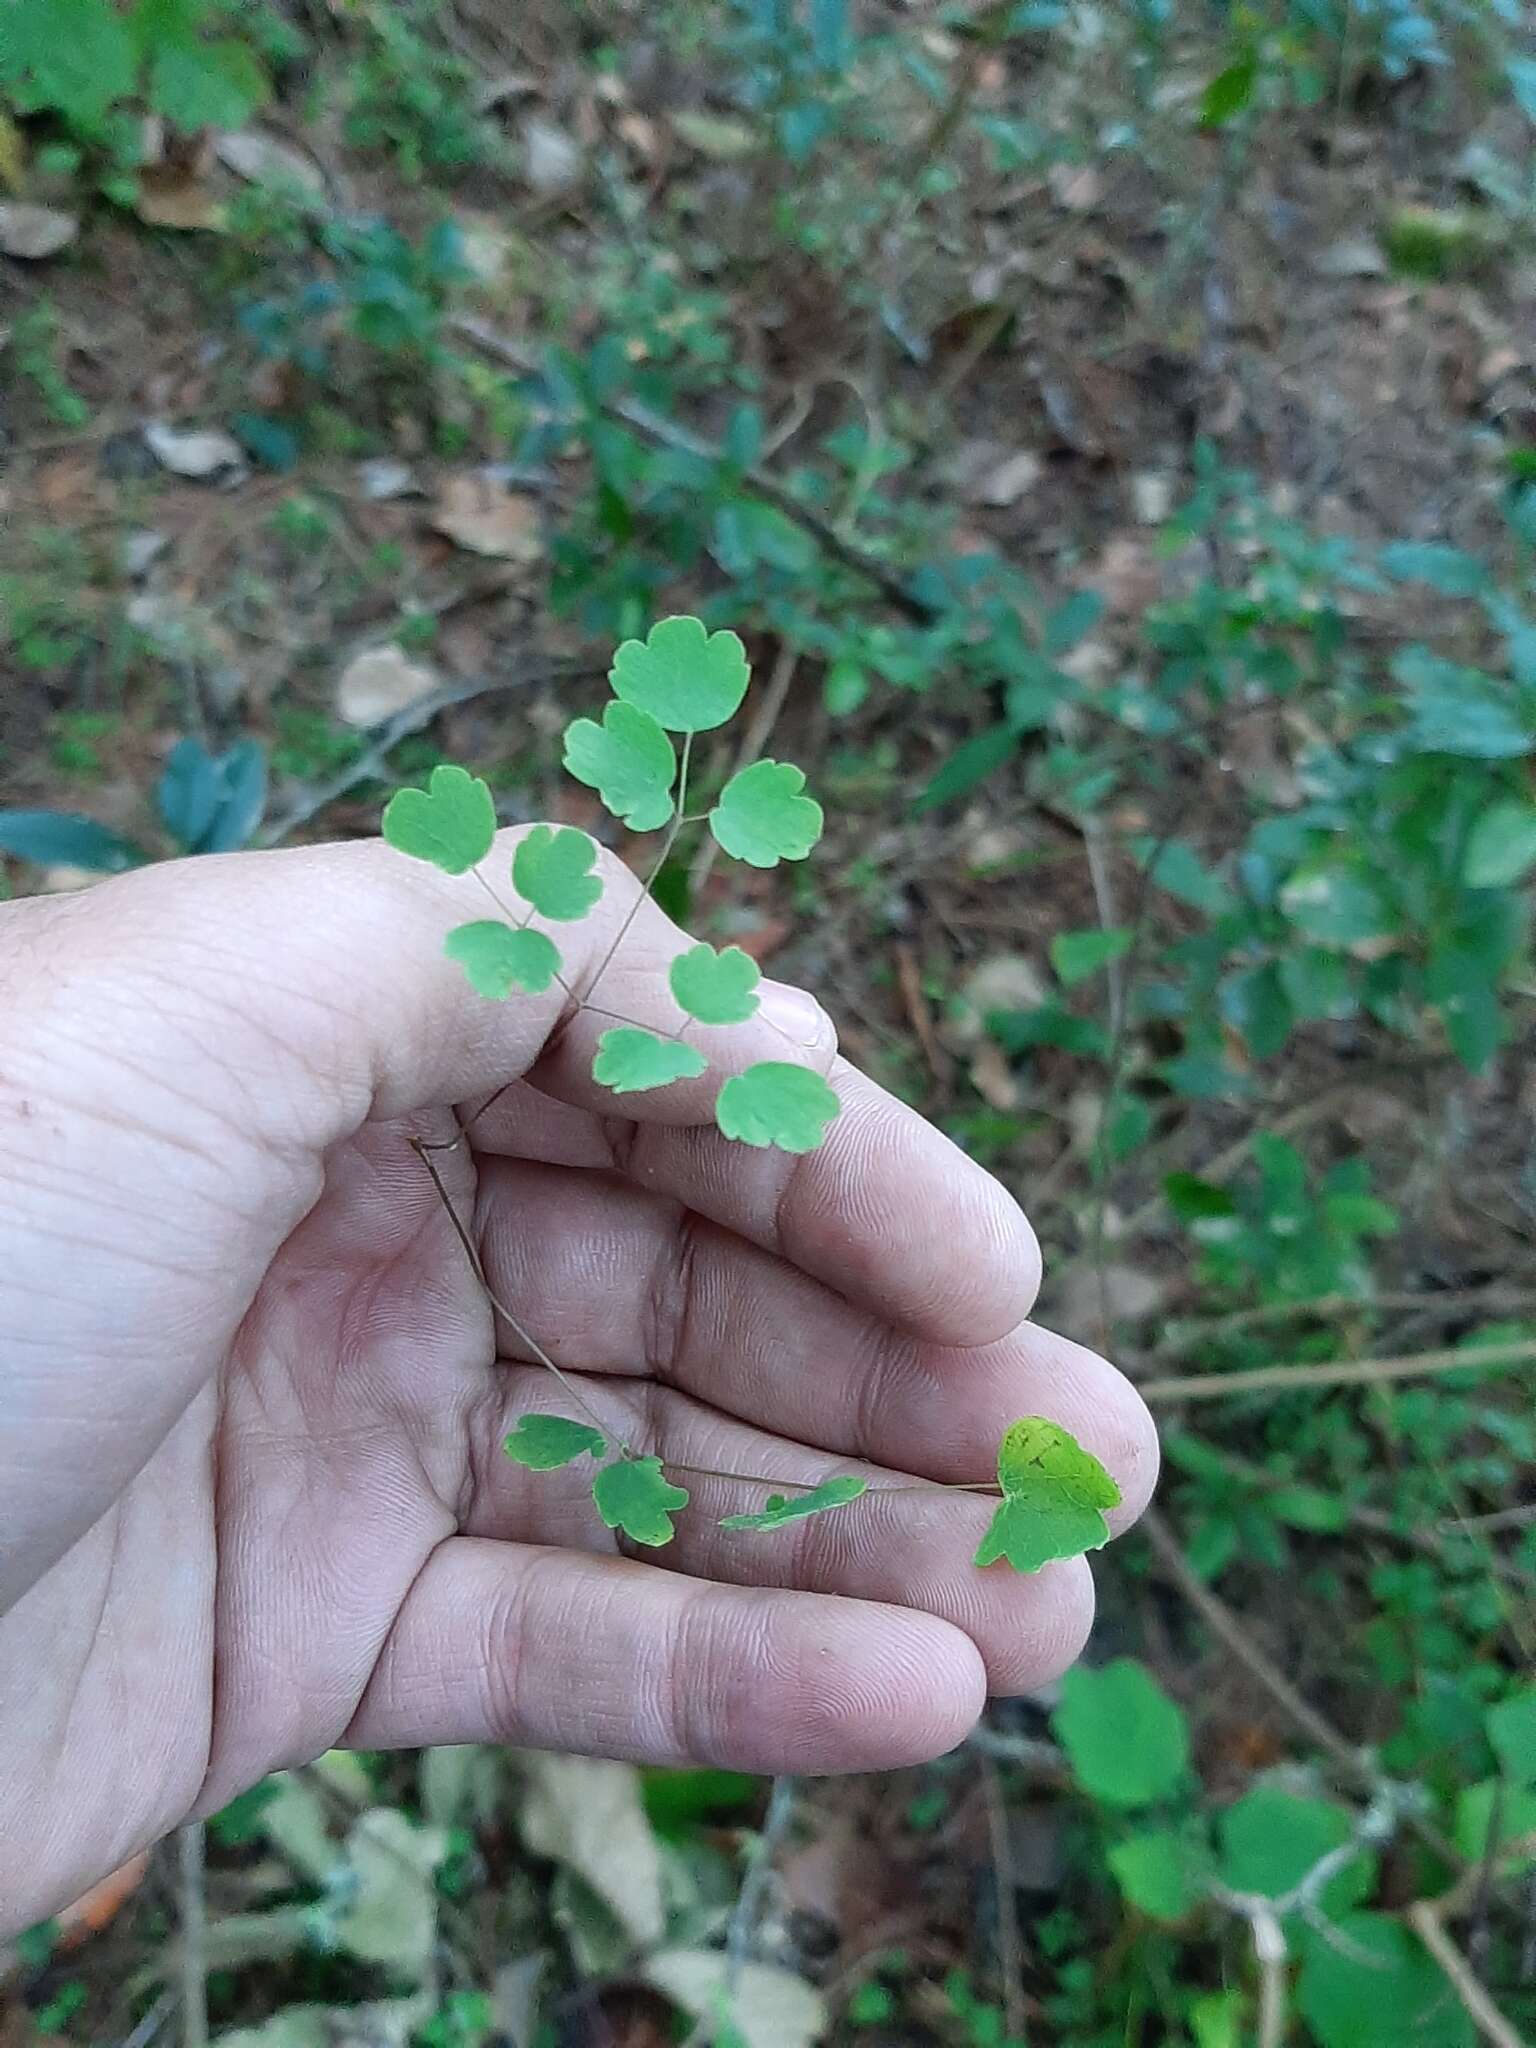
683, 680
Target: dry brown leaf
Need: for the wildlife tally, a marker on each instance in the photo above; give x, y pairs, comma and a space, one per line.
1077, 187
480, 516
171, 196
380, 683
34, 233
993, 1078
102, 1903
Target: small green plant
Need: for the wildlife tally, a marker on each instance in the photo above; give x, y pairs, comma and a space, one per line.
89, 64
679, 682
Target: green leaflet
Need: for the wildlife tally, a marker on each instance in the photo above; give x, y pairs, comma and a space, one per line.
451, 823
775, 1103
553, 870
496, 959
1054, 1497
633, 1494
763, 817
542, 1443
628, 760
836, 1492
629, 1060
715, 988
687, 679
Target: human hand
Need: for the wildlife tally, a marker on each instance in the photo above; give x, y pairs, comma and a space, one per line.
252, 1499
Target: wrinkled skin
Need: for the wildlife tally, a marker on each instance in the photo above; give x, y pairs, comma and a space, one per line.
252, 1501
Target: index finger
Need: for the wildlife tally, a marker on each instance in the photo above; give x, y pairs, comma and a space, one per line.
889, 1212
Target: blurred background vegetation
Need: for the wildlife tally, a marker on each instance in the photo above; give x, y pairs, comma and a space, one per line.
1113, 429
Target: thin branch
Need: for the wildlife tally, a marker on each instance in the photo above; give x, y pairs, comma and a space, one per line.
1224, 1624
524, 1337
1445, 1304
1010, 1943
193, 1903
741, 1929
1478, 2006
369, 765
1349, 1372
660, 432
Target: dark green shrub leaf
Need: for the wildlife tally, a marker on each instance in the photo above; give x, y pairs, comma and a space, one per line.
1502, 846
1127, 1742
1377, 1987
1076, 955
968, 766
1160, 1871
65, 839
1228, 93
1270, 1840
1512, 1731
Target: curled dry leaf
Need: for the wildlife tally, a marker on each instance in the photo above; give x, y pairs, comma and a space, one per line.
380, 683
588, 1815
35, 232
477, 514
196, 452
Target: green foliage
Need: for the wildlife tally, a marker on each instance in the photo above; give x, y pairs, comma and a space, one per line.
497, 958
628, 760
1127, 1742
1271, 1839
763, 817
630, 1059
451, 823
781, 1509
1054, 1497
1512, 1733
1076, 955
553, 870
633, 1495
686, 679
1162, 1871
84, 59
542, 1443
775, 1103
715, 987
1373, 1986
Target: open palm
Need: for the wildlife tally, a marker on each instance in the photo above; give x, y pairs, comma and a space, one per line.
252, 1395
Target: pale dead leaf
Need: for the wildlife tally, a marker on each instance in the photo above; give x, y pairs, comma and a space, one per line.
1007, 482
767, 2007
196, 452
480, 516
1077, 187
392, 1915
263, 159
170, 196
993, 1078
1007, 981
1127, 1294
515, 1991
721, 140
64, 880
35, 232
386, 2023
1355, 256
383, 478
588, 1815
552, 159
1152, 496
378, 684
